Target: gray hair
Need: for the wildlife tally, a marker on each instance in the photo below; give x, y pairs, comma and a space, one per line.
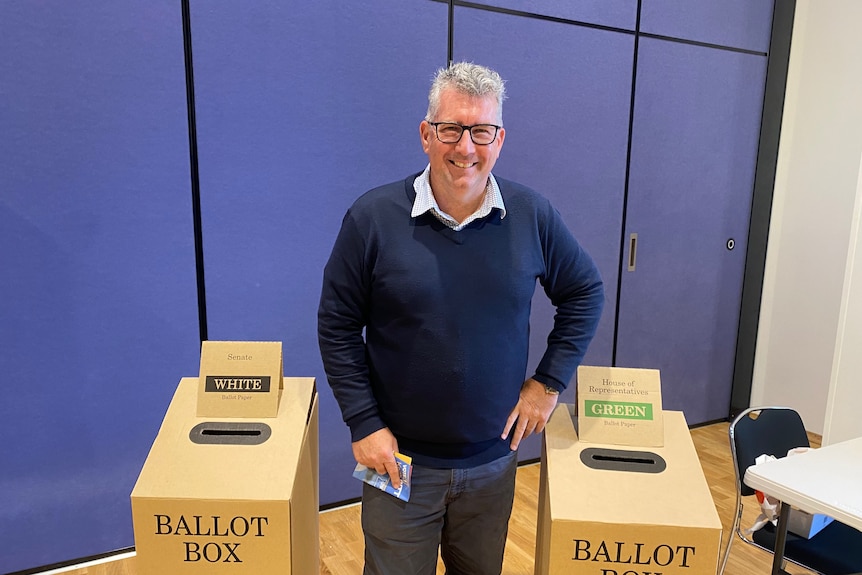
470, 79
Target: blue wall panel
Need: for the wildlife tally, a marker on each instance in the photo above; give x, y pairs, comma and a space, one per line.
745, 24
566, 136
613, 13
303, 106
99, 313
299, 113
694, 149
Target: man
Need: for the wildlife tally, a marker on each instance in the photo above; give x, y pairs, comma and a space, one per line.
439, 271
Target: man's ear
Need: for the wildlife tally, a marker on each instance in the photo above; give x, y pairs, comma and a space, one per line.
426, 132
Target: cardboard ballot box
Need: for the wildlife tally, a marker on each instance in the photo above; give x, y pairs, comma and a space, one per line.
611, 510
235, 496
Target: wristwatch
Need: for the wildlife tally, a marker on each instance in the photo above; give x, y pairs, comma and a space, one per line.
551, 391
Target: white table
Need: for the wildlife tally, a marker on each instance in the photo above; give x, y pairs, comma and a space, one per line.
825, 480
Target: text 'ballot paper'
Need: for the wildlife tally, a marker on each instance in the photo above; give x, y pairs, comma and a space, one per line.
383, 482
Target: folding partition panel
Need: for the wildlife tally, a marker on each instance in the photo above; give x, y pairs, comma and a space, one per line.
612, 13
99, 313
566, 119
694, 150
698, 103
299, 112
740, 24
693, 153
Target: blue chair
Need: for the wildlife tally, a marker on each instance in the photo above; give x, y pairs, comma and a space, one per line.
837, 549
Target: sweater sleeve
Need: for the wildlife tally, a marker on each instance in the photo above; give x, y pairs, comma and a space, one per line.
341, 318
573, 284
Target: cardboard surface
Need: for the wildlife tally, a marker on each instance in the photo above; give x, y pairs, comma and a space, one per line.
231, 508
239, 379
806, 524
620, 406
604, 522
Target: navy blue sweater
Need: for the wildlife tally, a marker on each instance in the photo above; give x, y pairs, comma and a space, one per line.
445, 316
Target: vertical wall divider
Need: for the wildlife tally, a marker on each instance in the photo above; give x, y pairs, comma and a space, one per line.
450, 49
193, 168
623, 264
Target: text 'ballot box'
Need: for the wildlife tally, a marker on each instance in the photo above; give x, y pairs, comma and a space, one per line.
238, 495
609, 510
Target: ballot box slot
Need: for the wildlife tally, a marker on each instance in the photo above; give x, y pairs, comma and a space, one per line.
230, 433
623, 460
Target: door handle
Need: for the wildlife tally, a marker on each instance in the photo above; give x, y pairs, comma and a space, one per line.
633, 251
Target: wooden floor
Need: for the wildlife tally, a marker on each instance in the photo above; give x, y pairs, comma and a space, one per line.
341, 544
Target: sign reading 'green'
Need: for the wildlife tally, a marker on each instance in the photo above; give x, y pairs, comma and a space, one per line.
619, 410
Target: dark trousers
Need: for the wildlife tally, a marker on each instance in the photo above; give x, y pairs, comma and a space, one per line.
464, 512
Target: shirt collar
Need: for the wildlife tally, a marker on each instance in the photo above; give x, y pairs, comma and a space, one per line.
425, 201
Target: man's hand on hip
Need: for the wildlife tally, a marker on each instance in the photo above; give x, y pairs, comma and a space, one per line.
377, 451
532, 411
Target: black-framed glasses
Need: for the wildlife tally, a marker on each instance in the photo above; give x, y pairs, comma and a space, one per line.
450, 133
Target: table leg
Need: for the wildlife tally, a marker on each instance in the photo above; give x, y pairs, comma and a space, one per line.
780, 539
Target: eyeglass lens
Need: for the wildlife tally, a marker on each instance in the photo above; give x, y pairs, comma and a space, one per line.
481, 134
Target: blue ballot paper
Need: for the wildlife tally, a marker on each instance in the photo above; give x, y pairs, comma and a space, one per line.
382, 482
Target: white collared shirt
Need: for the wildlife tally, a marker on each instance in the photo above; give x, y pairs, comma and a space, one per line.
425, 201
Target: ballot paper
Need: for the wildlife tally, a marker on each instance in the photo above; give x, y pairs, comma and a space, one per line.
383, 482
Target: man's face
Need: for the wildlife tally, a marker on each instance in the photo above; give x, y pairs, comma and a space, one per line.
461, 170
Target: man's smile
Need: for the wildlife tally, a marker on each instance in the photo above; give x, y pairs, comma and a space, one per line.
464, 164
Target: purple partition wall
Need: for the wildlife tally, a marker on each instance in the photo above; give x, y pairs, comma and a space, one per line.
300, 112
566, 136
301, 107
610, 13
694, 147
696, 126
739, 24
693, 150
97, 269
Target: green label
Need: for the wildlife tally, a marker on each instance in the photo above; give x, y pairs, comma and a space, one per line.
618, 410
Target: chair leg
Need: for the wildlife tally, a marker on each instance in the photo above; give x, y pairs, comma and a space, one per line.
733, 530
